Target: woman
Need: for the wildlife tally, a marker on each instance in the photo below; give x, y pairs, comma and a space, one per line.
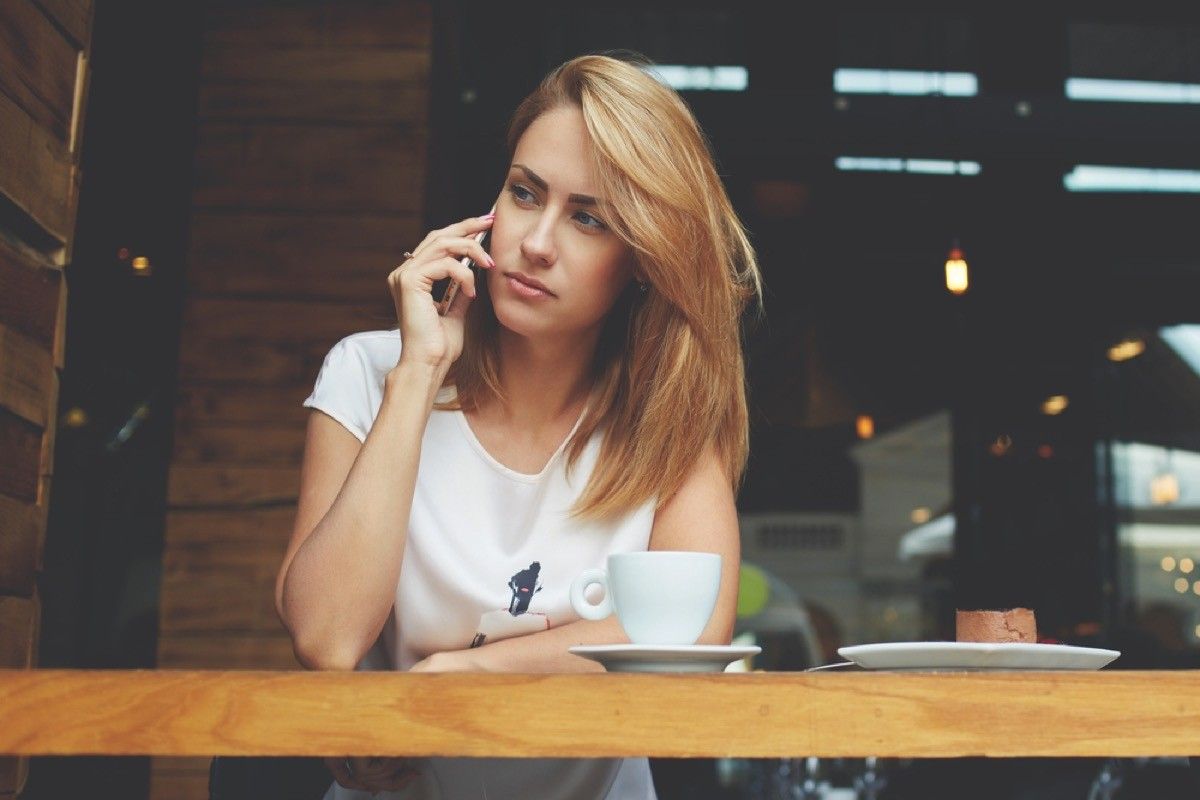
585, 397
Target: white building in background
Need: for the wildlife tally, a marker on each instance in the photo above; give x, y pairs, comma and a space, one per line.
850, 564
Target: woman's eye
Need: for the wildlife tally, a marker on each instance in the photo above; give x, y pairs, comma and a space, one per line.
520, 192
594, 223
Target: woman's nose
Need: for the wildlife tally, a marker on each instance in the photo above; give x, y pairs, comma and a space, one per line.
538, 244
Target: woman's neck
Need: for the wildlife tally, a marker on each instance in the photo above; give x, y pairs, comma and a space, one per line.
543, 381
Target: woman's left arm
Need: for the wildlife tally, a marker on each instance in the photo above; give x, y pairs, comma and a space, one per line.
701, 517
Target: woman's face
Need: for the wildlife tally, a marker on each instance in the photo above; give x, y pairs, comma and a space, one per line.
550, 228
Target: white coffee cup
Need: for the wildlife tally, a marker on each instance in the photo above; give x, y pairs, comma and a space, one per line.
661, 597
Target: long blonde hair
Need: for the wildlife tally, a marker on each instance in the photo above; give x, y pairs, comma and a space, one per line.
669, 373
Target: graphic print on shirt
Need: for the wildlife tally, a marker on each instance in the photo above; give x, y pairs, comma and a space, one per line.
517, 619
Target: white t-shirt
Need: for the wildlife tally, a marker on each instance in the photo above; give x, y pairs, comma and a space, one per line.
490, 554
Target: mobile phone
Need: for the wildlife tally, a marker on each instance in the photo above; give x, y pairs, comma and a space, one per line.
445, 289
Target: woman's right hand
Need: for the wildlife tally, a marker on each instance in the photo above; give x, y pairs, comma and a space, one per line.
428, 337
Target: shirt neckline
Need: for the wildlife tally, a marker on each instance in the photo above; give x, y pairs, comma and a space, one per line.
524, 477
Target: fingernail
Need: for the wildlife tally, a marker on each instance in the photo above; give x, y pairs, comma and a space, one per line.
491, 215
490, 262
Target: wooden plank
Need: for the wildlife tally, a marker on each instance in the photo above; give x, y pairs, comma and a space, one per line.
378, 102
46, 460
19, 619
224, 598
36, 171
288, 236
31, 294
259, 362
37, 67
21, 526
179, 778
232, 486
259, 406
229, 444
27, 378
321, 66
228, 528
21, 444
275, 320
755, 715
74, 17
298, 256
226, 651
276, 167
356, 24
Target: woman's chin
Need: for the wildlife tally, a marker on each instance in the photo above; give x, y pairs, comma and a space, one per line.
520, 319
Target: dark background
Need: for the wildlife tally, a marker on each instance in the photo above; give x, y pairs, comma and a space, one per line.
854, 276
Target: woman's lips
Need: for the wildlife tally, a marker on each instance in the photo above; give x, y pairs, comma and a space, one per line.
523, 289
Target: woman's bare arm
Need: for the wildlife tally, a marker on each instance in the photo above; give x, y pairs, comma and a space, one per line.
338, 579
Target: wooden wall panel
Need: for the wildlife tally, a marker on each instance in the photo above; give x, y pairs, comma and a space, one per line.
44, 48
330, 168
37, 66
308, 186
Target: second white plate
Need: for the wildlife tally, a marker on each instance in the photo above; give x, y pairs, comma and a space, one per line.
976, 656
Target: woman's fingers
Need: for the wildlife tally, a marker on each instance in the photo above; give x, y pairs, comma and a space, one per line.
464, 228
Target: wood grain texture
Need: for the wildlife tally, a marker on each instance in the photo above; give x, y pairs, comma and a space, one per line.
21, 526
273, 167
27, 377
32, 294
36, 171
260, 406
228, 444
761, 715
74, 17
347, 24
321, 65
258, 651
19, 625
308, 256
231, 487
377, 102
37, 66
21, 444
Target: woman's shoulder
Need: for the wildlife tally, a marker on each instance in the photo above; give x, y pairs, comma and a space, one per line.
377, 350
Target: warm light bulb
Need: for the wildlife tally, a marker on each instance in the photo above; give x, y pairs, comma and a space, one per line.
1186, 565
865, 425
1055, 405
1001, 445
1164, 489
921, 515
1168, 564
141, 265
957, 279
75, 418
1181, 585
1126, 349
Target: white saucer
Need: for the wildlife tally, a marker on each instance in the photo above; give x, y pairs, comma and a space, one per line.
976, 656
664, 658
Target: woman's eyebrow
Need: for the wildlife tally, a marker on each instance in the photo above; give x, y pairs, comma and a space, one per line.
538, 181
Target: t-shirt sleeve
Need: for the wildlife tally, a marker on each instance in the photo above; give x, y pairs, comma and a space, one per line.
343, 388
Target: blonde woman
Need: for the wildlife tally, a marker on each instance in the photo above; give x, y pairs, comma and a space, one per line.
584, 397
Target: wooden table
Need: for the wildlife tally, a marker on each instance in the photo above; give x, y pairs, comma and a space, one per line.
760, 714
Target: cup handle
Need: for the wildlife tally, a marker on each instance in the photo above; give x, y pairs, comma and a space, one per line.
580, 603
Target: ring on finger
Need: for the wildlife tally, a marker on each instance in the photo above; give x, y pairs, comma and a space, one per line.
408, 255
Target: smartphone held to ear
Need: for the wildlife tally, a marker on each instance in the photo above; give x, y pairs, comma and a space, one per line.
446, 289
